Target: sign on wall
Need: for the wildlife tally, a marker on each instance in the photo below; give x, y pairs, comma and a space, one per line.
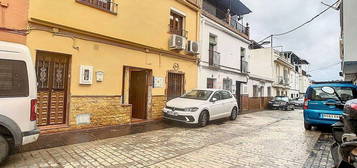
100, 76
158, 82
86, 75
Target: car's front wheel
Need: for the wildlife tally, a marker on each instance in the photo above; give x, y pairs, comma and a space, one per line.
203, 119
234, 114
4, 148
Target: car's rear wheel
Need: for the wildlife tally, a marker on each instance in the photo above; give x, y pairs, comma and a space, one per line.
307, 126
203, 120
234, 114
4, 149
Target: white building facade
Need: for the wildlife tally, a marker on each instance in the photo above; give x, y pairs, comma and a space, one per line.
348, 40
261, 70
221, 53
224, 49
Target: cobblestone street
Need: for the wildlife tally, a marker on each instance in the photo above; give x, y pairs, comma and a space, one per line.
262, 139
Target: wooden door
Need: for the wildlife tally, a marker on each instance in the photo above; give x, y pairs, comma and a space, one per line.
138, 89
52, 79
175, 86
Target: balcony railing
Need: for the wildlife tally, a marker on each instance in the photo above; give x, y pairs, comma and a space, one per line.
105, 5
221, 15
214, 58
180, 32
245, 67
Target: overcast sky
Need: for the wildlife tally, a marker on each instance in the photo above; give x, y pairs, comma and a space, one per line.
317, 42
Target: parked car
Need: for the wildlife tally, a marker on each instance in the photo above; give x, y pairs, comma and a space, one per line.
298, 102
321, 108
201, 106
17, 98
281, 102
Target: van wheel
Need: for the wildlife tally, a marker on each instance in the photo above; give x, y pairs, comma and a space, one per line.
4, 149
234, 114
203, 120
307, 126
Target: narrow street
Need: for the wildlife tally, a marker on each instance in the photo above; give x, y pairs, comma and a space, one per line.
262, 139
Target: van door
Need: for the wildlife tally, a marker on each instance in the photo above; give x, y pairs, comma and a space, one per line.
52, 79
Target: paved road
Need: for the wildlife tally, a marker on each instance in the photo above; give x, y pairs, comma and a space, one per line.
264, 139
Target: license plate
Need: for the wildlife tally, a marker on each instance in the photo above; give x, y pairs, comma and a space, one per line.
275, 105
331, 116
172, 113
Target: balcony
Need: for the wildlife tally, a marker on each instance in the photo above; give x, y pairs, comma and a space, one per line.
104, 5
214, 59
230, 20
180, 32
244, 68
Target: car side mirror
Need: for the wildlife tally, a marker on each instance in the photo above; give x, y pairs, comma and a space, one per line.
214, 99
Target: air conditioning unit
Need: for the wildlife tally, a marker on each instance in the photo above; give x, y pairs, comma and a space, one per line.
193, 47
177, 42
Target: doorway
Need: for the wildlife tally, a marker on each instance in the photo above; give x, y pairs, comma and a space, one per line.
138, 92
52, 86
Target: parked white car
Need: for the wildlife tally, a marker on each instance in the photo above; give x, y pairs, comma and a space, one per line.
201, 106
18, 92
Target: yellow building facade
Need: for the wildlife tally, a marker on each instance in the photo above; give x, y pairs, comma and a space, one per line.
102, 63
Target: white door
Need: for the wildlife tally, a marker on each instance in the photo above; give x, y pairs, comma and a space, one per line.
228, 103
216, 108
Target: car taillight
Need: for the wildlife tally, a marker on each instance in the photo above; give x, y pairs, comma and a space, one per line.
306, 104
33, 110
354, 107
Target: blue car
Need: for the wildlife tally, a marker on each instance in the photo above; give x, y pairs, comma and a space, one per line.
320, 107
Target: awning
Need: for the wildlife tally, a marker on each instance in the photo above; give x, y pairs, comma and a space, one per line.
235, 6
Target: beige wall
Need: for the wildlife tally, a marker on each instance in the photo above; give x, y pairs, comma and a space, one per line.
144, 22
109, 59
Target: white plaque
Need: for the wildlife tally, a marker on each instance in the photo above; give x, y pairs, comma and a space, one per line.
158, 82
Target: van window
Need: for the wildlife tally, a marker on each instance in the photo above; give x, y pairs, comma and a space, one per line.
13, 79
346, 93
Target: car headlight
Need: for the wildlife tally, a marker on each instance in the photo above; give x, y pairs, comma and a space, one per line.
191, 109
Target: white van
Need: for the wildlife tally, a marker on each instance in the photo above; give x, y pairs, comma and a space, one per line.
17, 98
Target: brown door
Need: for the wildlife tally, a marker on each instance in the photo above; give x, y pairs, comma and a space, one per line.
175, 85
52, 79
138, 89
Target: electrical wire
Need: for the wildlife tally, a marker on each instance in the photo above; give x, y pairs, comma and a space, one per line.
307, 22
281, 34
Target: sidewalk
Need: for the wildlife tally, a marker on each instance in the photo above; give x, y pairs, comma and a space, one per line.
86, 135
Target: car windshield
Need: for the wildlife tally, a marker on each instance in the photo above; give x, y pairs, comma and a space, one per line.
198, 94
286, 99
345, 93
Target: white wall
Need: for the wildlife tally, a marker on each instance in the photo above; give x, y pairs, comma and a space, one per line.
229, 46
350, 29
261, 63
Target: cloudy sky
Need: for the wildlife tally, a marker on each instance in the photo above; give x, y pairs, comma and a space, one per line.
316, 42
